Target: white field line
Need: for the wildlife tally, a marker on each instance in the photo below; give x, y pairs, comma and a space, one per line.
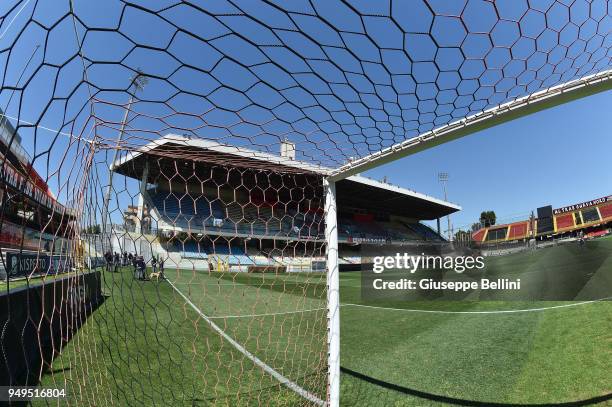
242, 284
282, 379
236, 284
509, 311
269, 314
210, 284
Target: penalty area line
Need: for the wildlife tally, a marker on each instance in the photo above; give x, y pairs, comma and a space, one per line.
268, 314
282, 379
509, 311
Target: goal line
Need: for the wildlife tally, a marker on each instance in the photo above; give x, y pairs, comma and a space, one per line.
265, 367
269, 314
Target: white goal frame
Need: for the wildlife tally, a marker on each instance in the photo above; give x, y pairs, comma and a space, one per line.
333, 294
514, 109
517, 108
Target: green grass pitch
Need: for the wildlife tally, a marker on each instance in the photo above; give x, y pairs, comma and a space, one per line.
542, 357
145, 345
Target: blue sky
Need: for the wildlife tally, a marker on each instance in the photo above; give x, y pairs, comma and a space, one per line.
559, 156
338, 81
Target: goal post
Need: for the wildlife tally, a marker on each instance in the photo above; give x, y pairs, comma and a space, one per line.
333, 293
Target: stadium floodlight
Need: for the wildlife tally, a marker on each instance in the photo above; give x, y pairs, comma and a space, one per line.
443, 178
274, 103
138, 82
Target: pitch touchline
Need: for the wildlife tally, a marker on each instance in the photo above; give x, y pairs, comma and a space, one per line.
512, 311
211, 284
269, 314
282, 379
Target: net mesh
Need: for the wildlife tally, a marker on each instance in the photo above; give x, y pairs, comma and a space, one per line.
153, 129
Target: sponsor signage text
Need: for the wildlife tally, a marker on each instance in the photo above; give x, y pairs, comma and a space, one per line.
24, 264
583, 205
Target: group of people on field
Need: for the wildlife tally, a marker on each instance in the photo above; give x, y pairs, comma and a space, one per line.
116, 260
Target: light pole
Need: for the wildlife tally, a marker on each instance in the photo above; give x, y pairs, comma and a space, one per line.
443, 178
138, 83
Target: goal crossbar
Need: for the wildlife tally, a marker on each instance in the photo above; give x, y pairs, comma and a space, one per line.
517, 108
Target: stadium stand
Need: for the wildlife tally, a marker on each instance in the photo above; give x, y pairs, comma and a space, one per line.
606, 211
479, 235
518, 230
234, 255
192, 250
425, 232
499, 233
32, 219
224, 199
209, 214
397, 231
376, 231
577, 218
565, 221
590, 215
360, 229
231, 255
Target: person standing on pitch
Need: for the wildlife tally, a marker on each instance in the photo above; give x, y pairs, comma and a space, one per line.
161, 267
135, 265
109, 261
141, 268
154, 264
117, 262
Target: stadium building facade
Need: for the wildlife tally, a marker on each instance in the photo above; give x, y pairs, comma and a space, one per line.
33, 223
593, 218
222, 207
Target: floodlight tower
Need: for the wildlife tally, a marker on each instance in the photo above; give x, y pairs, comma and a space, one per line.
138, 82
443, 178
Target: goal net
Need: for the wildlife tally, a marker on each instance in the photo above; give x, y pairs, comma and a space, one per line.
166, 167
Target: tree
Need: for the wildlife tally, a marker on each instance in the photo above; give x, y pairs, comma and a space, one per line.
488, 218
463, 236
476, 226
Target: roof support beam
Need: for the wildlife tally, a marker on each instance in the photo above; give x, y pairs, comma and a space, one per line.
523, 106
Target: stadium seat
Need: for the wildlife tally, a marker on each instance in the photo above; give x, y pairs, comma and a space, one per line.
355, 229
425, 231
479, 235
606, 211
499, 233
590, 215
518, 230
565, 221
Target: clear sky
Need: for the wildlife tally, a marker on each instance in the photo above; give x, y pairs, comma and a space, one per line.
558, 156
337, 83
